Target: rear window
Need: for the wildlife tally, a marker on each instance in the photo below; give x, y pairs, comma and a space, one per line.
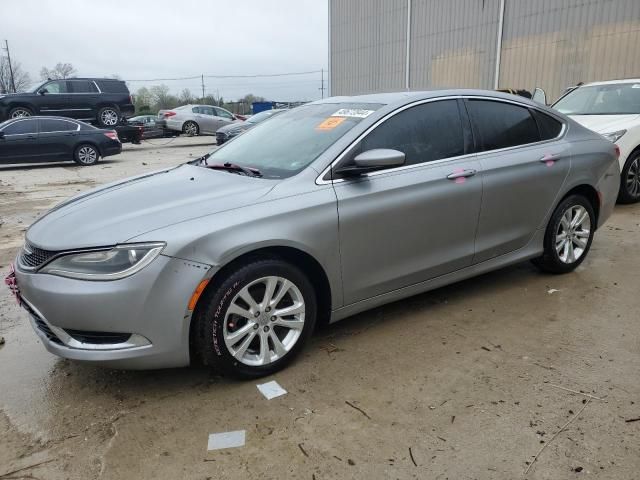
55, 125
113, 86
81, 86
549, 127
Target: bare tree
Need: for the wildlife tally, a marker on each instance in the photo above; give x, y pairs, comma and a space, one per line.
186, 96
21, 78
162, 97
61, 70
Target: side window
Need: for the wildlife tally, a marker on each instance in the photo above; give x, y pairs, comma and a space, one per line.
207, 111
196, 110
57, 86
21, 127
549, 127
82, 86
428, 132
54, 125
501, 125
224, 114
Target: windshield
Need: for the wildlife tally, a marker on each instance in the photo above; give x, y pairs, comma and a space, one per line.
612, 99
290, 141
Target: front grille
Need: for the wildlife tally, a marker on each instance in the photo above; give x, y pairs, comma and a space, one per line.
98, 338
36, 258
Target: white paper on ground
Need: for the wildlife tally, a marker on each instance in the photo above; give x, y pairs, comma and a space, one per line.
271, 389
226, 440
552, 290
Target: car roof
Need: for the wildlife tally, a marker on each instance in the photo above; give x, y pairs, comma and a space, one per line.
612, 82
391, 98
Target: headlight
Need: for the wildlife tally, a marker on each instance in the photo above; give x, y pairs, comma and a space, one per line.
614, 136
108, 264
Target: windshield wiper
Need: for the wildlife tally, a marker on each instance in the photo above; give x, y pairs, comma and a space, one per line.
232, 167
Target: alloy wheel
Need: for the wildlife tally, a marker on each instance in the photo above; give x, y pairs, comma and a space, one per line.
633, 178
109, 117
20, 112
191, 129
572, 236
87, 155
264, 321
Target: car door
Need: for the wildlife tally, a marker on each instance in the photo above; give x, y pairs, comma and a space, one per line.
224, 117
18, 142
524, 165
405, 225
83, 99
57, 138
207, 120
54, 99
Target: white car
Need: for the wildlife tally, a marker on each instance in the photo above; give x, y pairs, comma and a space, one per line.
195, 119
611, 109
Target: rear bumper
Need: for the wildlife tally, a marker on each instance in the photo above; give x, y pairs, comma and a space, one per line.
608, 187
150, 305
112, 148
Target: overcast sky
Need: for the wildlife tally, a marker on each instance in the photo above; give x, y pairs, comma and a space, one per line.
176, 38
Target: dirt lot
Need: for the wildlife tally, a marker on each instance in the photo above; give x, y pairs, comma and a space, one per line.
466, 382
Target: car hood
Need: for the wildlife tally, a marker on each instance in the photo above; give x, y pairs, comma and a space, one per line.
234, 127
605, 123
119, 211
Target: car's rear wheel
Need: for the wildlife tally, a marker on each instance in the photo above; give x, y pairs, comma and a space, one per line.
18, 112
256, 319
108, 117
190, 128
569, 235
630, 180
86, 155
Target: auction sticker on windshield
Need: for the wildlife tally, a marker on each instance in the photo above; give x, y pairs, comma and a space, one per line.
352, 112
330, 123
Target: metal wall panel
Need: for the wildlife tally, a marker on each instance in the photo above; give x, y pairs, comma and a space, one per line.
547, 43
558, 43
453, 43
368, 46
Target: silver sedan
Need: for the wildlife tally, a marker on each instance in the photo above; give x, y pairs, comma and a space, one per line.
322, 212
195, 119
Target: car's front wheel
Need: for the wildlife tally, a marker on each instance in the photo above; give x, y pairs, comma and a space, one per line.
256, 319
19, 112
630, 180
86, 155
569, 235
108, 117
190, 128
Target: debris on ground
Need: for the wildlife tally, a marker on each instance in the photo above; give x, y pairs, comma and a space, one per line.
358, 409
271, 389
218, 441
552, 291
2, 340
630, 420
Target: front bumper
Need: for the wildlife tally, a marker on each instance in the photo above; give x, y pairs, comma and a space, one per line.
151, 305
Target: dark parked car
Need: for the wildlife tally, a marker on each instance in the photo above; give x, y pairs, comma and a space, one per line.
150, 127
102, 100
234, 129
55, 139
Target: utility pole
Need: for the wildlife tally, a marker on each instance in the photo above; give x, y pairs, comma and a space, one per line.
203, 87
13, 84
322, 82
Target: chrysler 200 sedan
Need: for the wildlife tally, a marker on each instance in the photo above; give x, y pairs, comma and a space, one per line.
324, 211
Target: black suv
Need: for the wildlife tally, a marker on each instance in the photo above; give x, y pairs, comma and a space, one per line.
102, 100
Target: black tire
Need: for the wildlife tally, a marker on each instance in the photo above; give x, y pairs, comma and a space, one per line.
83, 155
191, 129
630, 180
18, 112
209, 319
551, 260
109, 117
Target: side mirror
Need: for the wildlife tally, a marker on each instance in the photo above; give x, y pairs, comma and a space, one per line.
539, 96
372, 160
42, 91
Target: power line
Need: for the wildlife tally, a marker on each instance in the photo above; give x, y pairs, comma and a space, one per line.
257, 75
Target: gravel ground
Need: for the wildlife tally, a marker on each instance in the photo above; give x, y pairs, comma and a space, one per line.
470, 381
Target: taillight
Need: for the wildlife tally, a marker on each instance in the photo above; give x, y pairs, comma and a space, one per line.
617, 149
112, 135
169, 114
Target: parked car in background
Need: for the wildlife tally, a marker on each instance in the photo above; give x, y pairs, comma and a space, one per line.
55, 139
324, 211
234, 129
195, 119
612, 109
104, 101
150, 127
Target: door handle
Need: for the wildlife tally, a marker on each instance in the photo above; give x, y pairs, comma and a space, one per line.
461, 174
31, 137
549, 157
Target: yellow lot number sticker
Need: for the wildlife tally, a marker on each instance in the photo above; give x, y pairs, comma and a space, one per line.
330, 123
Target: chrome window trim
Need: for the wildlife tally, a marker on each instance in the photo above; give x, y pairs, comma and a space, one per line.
18, 134
321, 181
61, 120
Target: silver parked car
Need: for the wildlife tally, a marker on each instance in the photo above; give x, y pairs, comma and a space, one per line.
324, 211
232, 130
195, 119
